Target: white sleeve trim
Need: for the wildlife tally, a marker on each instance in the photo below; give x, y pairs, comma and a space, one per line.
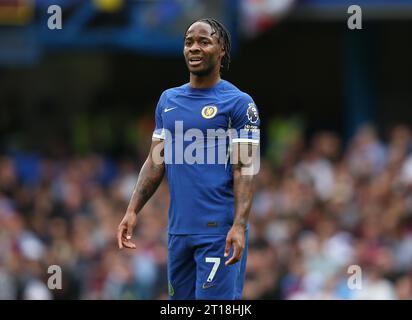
158, 136
244, 140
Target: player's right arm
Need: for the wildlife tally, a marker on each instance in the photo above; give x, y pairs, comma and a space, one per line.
149, 179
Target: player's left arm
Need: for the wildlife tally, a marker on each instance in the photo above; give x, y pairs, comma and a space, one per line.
244, 171
245, 138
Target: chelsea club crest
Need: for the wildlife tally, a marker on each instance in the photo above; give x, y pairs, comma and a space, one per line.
208, 112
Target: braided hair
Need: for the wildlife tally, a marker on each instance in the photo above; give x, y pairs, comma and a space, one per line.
223, 36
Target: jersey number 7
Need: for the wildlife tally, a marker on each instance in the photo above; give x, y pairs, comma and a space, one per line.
216, 263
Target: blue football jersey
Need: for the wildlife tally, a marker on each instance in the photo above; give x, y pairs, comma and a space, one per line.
198, 127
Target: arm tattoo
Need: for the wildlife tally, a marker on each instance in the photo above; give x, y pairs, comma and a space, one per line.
149, 180
243, 192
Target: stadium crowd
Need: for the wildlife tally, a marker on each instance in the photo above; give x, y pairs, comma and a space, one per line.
318, 209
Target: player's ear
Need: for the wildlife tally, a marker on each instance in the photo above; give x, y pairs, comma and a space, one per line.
222, 51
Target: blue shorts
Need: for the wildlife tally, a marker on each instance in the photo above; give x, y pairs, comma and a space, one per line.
196, 268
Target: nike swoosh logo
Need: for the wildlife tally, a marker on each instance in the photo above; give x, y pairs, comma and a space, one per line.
207, 285
170, 109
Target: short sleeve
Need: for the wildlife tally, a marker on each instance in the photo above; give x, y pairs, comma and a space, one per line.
245, 121
158, 132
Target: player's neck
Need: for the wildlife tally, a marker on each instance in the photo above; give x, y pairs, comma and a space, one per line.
204, 82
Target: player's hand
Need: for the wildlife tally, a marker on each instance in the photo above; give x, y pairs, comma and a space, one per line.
125, 230
235, 238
